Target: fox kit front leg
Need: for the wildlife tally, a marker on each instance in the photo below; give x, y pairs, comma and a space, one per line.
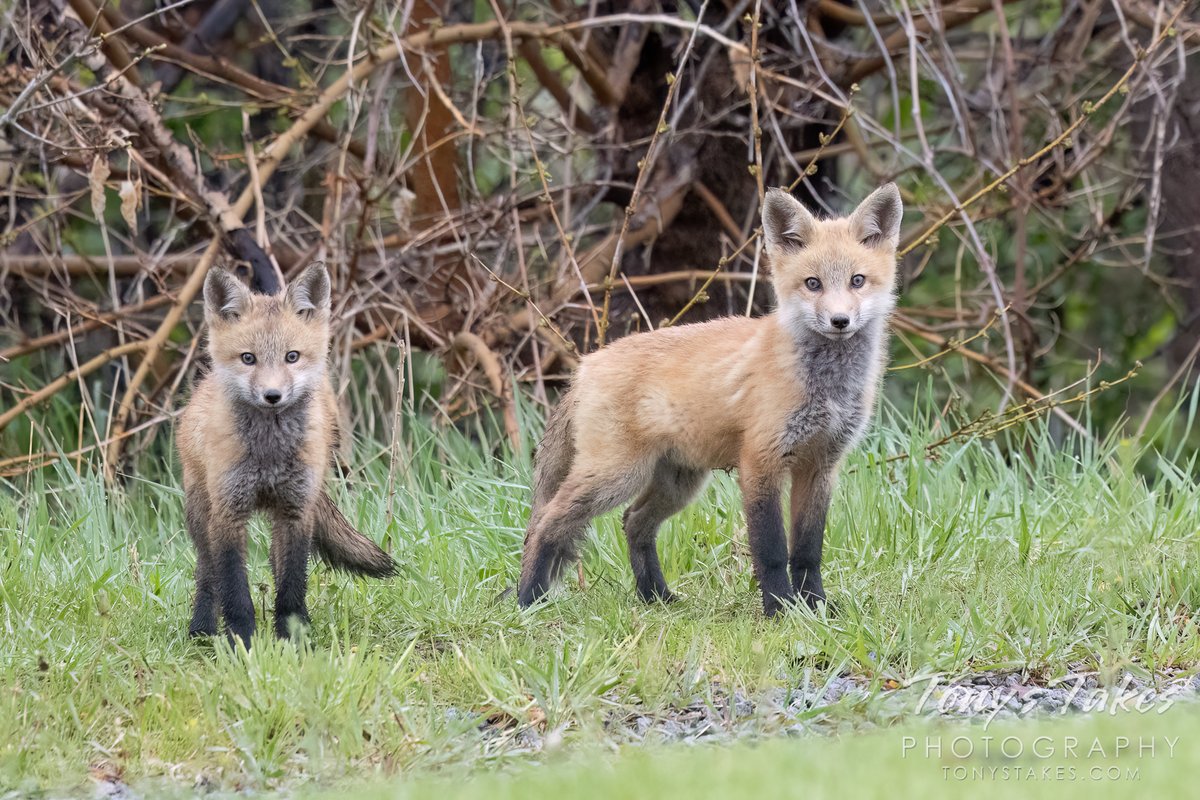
768, 540
812, 489
227, 538
204, 613
291, 542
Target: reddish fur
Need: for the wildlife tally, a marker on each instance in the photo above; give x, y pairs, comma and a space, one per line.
716, 395
241, 454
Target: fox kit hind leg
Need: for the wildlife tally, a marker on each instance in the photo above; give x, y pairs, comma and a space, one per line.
671, 489
554, 534
555, 454
569, 490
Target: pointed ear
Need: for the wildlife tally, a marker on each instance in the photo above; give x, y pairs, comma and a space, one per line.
787, 225
876, 221
309, 293
225, 297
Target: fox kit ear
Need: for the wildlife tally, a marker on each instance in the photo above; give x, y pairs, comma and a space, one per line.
309, 293
876, 221
225, 297
787, 224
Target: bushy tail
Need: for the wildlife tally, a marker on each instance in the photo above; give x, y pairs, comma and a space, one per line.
555, 455
544, 555
338, 544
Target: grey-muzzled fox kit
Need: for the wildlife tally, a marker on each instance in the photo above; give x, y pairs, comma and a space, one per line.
650, 416
258, 435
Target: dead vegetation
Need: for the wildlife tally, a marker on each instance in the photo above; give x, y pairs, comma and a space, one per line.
506, 188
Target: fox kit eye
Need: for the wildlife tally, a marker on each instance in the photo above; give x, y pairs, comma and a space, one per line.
248, 358
813, 284
857, 281
292, 357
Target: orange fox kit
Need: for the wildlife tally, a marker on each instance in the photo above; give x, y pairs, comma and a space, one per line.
258, 435
650, 416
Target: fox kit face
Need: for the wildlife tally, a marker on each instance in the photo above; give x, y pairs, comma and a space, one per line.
268, 351
834, 276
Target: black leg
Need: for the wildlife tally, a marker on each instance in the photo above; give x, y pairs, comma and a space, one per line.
806, 560
229, 551
204, 611
540, 567
670, 490
641, 531
291, 542
768, 547
554, 539
811, 492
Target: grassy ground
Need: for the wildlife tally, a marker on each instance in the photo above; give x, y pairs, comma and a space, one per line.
1048, 560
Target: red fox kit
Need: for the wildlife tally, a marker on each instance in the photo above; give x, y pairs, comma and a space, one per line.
650, 416
258, 435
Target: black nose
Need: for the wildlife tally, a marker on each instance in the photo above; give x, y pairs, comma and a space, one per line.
839, 321
272, 396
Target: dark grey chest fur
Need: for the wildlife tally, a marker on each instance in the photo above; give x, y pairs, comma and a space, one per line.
271, 473
836, 376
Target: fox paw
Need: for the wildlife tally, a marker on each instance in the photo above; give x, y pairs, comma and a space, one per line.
659, 595
816, 602
774, 605
199, 629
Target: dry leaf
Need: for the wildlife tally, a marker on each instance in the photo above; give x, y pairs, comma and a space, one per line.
739, 61
96, 178
537, 717
402, 209
131, 201
106, 771
499, 718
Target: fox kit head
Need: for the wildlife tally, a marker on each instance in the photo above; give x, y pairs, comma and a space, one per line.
268, 350
833, 276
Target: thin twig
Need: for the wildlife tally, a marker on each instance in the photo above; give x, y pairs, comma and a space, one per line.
645, 166
1089, 108
702, 293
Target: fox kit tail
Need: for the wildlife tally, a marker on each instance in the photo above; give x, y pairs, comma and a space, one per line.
540, 562
338, 544
554, 457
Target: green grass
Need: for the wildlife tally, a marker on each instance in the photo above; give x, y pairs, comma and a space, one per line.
1045, 558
